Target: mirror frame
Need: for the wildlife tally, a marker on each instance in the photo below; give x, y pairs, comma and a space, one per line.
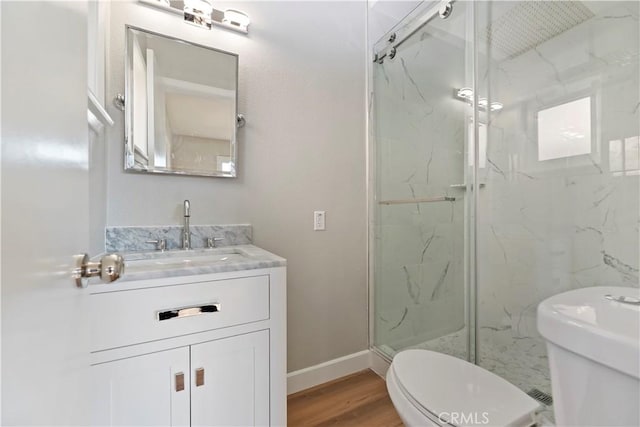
128, 111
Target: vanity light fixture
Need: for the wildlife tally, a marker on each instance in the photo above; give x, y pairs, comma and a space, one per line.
236, 18
198, 12
465, 93
204, 15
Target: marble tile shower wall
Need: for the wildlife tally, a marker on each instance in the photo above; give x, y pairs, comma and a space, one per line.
550, 226
419, 277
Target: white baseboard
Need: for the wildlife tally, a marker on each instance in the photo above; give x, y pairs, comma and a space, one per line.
328, 371
378, 363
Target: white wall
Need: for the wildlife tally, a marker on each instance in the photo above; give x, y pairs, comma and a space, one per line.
302, 89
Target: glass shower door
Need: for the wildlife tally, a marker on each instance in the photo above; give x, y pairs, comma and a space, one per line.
420, 127
560, 206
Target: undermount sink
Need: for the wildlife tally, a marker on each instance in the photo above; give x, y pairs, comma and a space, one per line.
179, 263
182, 258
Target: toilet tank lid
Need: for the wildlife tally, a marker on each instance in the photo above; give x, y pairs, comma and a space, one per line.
587, 322
459, 392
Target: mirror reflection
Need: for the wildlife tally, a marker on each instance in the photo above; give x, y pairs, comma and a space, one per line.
181, 105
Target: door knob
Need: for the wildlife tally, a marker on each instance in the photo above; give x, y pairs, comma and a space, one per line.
109, 268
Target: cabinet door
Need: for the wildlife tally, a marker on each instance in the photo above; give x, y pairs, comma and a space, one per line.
230, 381
142, 391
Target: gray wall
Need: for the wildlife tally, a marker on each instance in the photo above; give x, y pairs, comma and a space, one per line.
302, 89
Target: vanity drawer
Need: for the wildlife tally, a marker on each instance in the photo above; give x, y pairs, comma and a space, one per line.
134, 316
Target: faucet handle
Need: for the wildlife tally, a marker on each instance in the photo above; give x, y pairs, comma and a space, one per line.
211, 241
161, 244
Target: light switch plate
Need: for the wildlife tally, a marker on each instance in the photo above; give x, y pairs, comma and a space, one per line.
319, 220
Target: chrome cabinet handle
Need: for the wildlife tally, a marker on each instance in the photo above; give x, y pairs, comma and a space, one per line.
188, 311
624, 300
109, 269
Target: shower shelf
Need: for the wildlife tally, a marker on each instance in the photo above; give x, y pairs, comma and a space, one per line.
464, 186
408, 201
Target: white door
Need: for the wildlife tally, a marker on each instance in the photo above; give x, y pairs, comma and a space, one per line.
45, 220
230, 381
149, 390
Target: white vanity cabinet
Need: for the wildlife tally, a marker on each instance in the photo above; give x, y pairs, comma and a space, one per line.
217, 368
142, 390
232, 381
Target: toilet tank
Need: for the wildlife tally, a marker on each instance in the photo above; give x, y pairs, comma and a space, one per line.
593, 337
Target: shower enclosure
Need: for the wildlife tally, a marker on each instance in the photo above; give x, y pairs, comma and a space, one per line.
505, 156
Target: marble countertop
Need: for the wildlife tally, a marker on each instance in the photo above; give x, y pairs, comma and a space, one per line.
175, 263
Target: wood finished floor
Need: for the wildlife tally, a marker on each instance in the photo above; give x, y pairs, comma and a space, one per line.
360, 399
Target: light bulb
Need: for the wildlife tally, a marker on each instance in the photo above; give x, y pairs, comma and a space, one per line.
465, 92
236, 18
198, 12
496, 106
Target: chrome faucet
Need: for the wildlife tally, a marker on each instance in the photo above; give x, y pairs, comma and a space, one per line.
186, 233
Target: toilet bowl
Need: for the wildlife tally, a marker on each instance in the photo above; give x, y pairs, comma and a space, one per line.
434, 389
593, 342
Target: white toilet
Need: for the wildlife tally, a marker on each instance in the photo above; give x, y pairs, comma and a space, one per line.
435, 389
593, 342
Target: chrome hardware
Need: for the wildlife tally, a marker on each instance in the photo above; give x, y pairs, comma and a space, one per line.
186, 233
379, 58
179, 381
194, 310
118, 102
442, 9
161, 244
392, 53
240, 121
623, 299
199, 377
110, 268
464, 186
392, 38
445, 9
211, 241
411, 201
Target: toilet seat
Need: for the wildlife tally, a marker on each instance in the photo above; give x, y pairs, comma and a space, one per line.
451, 391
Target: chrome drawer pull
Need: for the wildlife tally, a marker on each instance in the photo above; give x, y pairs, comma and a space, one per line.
188, 311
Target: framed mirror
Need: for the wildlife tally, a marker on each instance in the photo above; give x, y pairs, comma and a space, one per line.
180, 107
